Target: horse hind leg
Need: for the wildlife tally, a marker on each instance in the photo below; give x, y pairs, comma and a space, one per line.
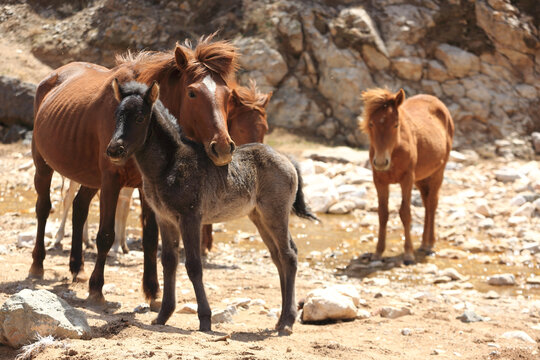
42, 183
273, 227
66, 205
429, 188
120, 223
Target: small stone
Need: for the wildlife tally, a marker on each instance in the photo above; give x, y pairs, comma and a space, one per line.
222, 316
516, 220
452, 274
483, 208
492, 295
487, 223
518, 200
406, 331
470, 316
26, 240
188, 308
109, 289
330, 304
437, 352
533, 280
142, 308
507, 175
526, 210
393, 313
520, 335
362, 314
502, 279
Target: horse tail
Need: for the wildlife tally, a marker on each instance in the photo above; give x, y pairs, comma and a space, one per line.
300, 207
43, 89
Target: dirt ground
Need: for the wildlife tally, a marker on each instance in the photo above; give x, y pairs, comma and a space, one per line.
232, 272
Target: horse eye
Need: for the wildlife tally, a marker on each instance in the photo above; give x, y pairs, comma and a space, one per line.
370, 124
397, 125
191, 94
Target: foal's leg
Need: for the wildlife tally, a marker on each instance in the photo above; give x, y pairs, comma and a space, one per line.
42, 183
405, 215
66, 205
81, 204
382, 195
190, 228
423, 187
105, 237
150, 245
170, 237
122, 212
273, 225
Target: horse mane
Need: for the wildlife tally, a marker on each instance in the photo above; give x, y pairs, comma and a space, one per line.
374, 100
251, 97
218, 57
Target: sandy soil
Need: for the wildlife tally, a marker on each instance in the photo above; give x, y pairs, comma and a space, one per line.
242, 272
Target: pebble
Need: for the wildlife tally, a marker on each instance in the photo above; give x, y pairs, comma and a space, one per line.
362, 314
507, 175
452, 273
483, 208
520, 335
526, 210
502, 279
470, 316
437, 352
142, 308
406, 331
492, 295
518, 200
188, 308
393, 313
533, 280
109, 289
222, 316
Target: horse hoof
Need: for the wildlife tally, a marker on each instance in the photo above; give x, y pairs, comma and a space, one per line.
36, 272
96, 300
125, 250
80, 277
158, 321
285, 331
155, 305
206, 327
408, 262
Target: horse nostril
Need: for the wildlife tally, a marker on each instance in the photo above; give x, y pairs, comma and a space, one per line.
386, 162
233, 146
213, 148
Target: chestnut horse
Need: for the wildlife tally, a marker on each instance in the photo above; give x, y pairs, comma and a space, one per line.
247, 124
410, 141
74, 121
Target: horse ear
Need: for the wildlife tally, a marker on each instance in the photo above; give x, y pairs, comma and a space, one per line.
116, 90
152, 94
180, 56
400, 96
236, 97
267, 100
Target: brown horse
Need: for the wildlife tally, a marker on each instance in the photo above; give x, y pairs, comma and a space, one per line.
247, 124
410, 141
74, 122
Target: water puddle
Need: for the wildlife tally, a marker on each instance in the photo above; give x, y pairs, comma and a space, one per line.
337, 245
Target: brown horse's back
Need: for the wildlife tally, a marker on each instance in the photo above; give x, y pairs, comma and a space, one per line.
70, 104
432, 125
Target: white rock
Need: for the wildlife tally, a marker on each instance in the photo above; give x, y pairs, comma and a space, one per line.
26, 240
452, 274
483, 208
393, 313
457, 156
520, 335
502, 279
31, 312
536, 204
487, 223
109, 289
142, 308
332, 303
342, 207
526, 210
363, 314
507, 175
516, 220
222, 316
518, 200
307, 167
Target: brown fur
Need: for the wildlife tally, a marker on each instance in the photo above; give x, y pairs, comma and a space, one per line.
410, 141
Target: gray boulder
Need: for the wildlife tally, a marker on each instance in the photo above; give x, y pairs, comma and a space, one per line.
39, 312
16, 102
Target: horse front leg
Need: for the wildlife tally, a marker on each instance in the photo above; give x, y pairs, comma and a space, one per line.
382, 196
81, 204
190, 228
405, 215
150, 246
170, 238
107, 208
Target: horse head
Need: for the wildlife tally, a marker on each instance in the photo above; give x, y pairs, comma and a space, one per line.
247, 114
132, 117
381, 122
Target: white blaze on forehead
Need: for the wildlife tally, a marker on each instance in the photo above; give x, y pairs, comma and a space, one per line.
210, 84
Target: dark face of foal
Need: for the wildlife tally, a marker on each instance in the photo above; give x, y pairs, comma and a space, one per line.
132, 121
384, 131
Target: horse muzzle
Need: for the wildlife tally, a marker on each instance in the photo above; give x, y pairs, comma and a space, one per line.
117, 153
221, 154
381, 164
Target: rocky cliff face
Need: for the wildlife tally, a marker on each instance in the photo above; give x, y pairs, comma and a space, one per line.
482, 58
